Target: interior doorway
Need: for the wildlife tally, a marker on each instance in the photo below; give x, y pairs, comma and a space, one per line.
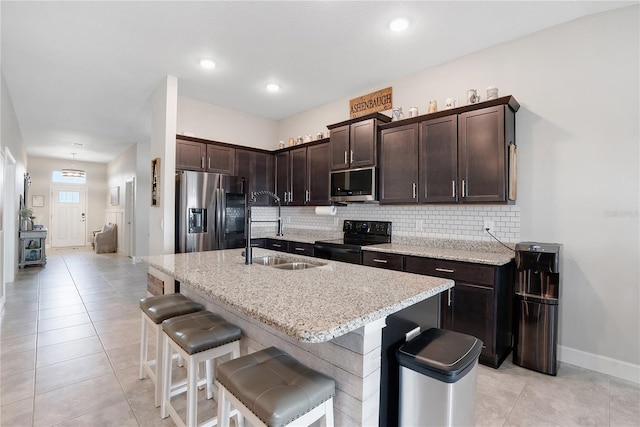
68, 216
9, 219
129, 215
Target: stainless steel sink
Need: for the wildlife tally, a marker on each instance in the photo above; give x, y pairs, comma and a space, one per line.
284, 263
297, 265
270, 260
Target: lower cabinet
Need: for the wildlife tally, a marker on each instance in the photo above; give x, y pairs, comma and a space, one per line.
480, 303
383, 260
277, 245
258, 243
301, 248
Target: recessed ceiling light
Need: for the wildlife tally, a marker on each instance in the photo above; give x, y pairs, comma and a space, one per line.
207, 63
273, 87
399, 24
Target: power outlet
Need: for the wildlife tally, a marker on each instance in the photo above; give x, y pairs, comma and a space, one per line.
488, 225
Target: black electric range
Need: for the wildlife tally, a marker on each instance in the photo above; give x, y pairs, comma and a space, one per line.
356, 235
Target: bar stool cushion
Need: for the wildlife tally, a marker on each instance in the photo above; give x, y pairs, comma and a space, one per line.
274, 386
200, 331
162, 307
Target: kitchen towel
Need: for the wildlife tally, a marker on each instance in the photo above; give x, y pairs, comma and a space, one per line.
326, 210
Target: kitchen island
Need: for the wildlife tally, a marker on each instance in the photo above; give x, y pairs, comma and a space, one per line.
328, 317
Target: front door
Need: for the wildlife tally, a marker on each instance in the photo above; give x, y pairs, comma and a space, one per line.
68, 216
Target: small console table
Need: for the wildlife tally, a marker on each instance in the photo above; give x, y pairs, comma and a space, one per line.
32, 247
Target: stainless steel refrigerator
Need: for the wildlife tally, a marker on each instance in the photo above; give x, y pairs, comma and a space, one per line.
210, 211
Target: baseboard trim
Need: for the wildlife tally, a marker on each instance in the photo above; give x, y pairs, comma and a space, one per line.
605, 365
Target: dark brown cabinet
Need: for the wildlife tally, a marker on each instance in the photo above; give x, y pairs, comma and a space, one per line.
483, 148
438, 163
195, 155
354, 142
190, 155
399, 164
277, 245
258, 169
318, 170
301, 248
221, 159
302, 175
480, 303
383, 260
463, 156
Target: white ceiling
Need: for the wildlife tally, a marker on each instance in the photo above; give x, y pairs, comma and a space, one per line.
83, 72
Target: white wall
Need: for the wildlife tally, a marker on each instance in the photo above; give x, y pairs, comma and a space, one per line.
202, 120
143, 198
120, 170
163, 146
577, 135
41, 171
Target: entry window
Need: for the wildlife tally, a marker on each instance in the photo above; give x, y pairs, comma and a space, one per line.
57, 177
68, 197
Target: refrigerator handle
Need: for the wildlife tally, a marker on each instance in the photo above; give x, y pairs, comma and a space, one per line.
221, 217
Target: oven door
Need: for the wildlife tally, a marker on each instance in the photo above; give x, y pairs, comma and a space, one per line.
336, 252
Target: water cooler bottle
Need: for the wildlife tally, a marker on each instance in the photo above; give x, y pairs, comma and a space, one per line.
538, 281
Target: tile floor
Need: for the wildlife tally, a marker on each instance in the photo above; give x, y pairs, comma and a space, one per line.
69, 341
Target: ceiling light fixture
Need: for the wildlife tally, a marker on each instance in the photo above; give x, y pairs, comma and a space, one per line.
273, 87
399, 24
207, 64
73, 172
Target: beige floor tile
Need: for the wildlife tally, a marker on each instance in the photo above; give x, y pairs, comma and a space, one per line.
13, 330
69, 402
18, 308
71, 333
17, 344
71, 371
17, 362
17, 387
124, 325
63, 322
49, 294
119, 339
125, 311
60, 302
68, 350
131, 384
114, 304
62, 311
118, 415
625, 403
497, 392
17, 414
124, 357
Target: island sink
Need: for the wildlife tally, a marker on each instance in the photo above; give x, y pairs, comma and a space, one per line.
285, 263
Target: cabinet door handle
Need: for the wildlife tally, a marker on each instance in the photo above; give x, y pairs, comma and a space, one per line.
209, 162
382, 261
351, 156
450, 297
346, 162
445, 270
299, 249
255, 245
307, 195
276, 245
202, 162
453, 188
415, 190
465, 190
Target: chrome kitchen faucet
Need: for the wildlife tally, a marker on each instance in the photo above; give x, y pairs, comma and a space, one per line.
247, 252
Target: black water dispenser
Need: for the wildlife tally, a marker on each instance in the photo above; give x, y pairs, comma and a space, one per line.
538, 280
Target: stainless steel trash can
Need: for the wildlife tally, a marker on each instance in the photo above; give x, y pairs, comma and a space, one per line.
438, 379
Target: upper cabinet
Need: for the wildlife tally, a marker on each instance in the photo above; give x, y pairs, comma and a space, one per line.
302, 175
193, 154
190, 155
483, 150
460, 155
354, 143
257, 168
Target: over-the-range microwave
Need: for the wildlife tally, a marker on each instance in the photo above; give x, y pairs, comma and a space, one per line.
354, 185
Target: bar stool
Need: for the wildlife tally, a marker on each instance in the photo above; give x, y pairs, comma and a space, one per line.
154, 311
197, 337
271, 388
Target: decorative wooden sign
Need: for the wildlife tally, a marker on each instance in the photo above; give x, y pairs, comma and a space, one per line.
155, 182
373, 102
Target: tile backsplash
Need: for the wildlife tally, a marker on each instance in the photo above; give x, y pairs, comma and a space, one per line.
455, 222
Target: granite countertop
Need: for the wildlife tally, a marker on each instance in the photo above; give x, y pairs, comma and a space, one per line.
454, 250
466, 255
312, 305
